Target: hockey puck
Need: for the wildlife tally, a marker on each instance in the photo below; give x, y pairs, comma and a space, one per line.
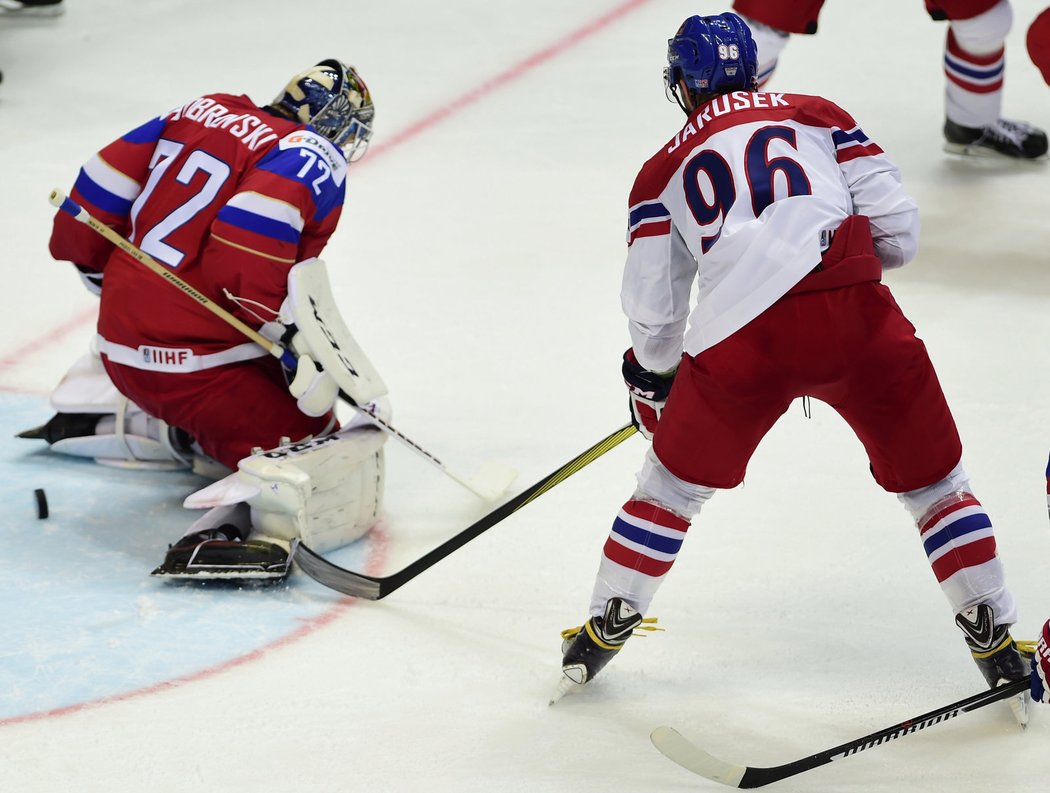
41, 503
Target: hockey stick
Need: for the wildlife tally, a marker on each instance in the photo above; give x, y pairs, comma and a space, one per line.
489, 482
691, 757
377, 588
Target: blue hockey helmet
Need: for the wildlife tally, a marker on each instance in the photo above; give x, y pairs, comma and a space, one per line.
711, 55
333, 99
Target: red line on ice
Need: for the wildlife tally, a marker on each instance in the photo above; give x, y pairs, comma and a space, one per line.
463, 101
499, 81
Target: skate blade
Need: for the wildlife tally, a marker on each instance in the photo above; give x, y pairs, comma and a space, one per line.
985, 153
222, 574
565, 686
1019, 707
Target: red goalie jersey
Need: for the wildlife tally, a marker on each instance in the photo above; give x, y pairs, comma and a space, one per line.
228, 196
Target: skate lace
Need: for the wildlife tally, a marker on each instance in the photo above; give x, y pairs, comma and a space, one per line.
647, 625
1009, 131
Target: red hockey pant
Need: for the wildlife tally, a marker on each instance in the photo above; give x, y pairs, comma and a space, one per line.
850, 347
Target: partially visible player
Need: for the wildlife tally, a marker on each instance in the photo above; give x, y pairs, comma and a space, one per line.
1038, 43
974, 67
235, 198
786, 213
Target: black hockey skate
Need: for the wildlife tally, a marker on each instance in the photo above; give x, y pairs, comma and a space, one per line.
996, 654
223, 553
587, 649
31, 8
1013, 140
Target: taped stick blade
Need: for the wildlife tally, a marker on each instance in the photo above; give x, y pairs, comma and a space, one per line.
492, 479
675, 747
332, 576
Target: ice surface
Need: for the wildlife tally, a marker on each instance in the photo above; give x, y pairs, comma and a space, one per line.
478, 263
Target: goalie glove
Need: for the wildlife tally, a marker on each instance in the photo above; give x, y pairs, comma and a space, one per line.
648, 393
314, 389
1041, 666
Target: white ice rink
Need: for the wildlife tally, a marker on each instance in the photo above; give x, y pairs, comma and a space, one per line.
478, 262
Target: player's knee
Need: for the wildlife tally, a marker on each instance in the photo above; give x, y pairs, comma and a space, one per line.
985, 32
656, 483
920, 501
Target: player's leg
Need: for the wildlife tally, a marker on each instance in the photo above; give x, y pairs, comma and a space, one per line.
93, 419
706, 436
326, 491
896, 406
229, 410
974, 67
772, 22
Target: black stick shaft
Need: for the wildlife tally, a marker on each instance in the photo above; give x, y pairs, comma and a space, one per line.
376, 588
757, 777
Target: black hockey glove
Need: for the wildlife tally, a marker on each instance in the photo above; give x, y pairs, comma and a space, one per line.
648, 392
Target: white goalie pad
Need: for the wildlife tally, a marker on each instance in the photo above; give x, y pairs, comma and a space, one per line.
125, 436
327, 491
86, 388
326, 336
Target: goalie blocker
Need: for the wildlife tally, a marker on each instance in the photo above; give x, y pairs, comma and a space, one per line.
326, 491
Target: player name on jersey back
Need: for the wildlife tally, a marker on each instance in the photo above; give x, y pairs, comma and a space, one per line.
251, 130
737, 100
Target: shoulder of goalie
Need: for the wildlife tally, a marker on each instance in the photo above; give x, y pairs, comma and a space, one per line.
329, 359
94, 420
327, 491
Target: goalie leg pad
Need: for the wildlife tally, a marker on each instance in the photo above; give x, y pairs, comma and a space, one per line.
95, 420
327, 491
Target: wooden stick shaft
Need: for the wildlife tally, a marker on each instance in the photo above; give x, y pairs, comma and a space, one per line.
70, 207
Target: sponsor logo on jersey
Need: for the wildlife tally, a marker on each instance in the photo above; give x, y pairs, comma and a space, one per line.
164, 357
320, 146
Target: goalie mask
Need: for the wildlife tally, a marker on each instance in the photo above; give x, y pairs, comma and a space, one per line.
711, 55
333, 99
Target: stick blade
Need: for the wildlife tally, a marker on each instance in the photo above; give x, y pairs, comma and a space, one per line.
691, 757
492, 479
332, 576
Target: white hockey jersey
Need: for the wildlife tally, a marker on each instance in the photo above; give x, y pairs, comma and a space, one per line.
743, 201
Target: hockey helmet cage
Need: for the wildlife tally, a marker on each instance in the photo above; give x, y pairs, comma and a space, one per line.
333, 99
711, 55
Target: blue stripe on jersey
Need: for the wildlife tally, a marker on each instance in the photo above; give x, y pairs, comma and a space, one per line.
974, 72
647, 212
293, 165
956, 529
258, 224
147, 133
656, 542
840, 138
100, 197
